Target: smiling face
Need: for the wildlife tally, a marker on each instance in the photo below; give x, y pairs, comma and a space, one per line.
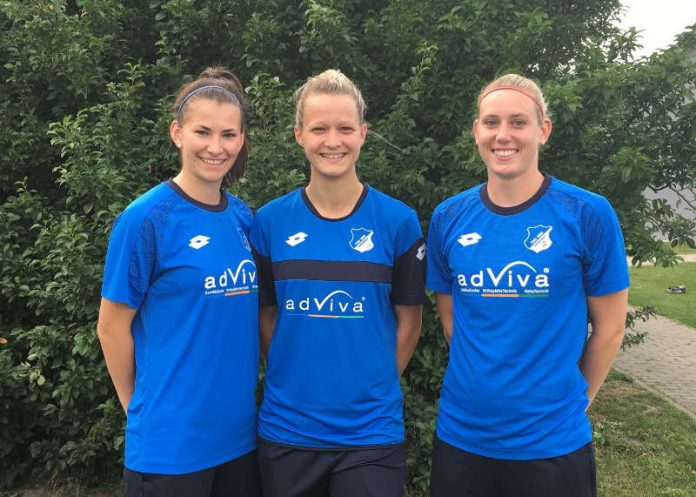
508, 135
209, 138
331, 134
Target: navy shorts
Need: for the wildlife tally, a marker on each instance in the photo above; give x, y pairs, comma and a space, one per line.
305, 472
236, 478
458, 473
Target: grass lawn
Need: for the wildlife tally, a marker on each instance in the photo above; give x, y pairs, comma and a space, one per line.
645, 446
62, 488
648, 284
684, 249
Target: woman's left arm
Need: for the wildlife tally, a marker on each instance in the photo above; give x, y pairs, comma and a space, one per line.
409, 319
608, 318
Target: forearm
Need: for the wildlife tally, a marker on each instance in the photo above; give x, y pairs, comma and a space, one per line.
406, 342
608, 318
408, 329
114, 331
445, 309
599, 355
119, 354
267, 320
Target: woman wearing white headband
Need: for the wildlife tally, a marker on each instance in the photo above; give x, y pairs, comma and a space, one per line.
178, 321
518, 264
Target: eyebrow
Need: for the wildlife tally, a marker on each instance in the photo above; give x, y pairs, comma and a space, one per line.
519, 114
513, 88
207, 128
324, 124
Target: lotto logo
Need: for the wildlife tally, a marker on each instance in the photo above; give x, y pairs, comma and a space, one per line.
296, 239
469, 239
420, 254
199, 241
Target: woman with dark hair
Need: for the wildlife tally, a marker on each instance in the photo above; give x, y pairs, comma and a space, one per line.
178, 320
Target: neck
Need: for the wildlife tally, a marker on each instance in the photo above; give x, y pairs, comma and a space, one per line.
334, 199
509, 192
206, 193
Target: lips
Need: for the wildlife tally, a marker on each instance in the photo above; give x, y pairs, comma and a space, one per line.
213, 162
332, 156
504, 152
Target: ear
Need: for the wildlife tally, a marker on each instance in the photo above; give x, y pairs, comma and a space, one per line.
175, 133
298, 135
546, 128
475, 130
363, 133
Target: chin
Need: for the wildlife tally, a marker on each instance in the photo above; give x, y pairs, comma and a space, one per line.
334, 172
504, 172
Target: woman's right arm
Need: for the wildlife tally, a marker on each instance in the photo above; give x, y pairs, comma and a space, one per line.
267, 319
445, 309
114, 331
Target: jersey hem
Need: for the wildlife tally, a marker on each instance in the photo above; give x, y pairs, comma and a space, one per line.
332, 448
613, 288
177, 469
409, 300
447, 290
514, 455
119, 300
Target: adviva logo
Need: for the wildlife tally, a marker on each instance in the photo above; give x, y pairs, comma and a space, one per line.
516, 279
238, 282
337, 304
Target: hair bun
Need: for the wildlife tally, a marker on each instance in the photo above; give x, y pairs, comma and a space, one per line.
219, 72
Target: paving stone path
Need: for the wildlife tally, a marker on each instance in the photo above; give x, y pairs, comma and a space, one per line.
666, 361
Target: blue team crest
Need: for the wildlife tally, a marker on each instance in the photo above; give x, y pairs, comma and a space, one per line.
361, 239
245, 240
538, 238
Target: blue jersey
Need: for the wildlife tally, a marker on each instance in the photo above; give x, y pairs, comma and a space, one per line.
188, 270
332, 378
519, 278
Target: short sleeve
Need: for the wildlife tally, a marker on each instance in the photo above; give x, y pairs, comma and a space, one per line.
262, 255
605, 269
130, 260
439, 278
242, 212
408, 273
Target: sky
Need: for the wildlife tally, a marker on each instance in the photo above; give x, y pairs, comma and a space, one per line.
659, 20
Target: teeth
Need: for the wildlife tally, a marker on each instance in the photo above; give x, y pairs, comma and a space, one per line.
505, 153
213, 162
332, 156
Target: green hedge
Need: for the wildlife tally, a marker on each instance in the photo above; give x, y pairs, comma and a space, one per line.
84, 92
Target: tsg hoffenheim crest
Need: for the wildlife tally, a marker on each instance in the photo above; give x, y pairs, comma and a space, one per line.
361, 239
245, 240
538, 238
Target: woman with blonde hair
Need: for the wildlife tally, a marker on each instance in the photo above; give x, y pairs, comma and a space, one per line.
518, 265
341, 294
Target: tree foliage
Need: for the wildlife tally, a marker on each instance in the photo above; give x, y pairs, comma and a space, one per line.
85, 88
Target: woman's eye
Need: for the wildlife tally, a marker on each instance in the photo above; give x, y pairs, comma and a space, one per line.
490, 123
201, 132
519, 123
